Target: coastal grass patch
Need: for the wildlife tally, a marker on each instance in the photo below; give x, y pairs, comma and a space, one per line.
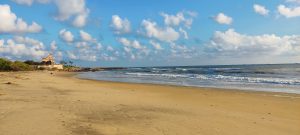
7, 65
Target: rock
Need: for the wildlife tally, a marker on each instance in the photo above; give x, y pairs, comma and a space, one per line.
8, 83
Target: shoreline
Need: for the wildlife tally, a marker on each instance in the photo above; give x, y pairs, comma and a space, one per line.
74, 75
63, 104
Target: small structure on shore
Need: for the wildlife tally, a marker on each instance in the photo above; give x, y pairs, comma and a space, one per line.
49, 63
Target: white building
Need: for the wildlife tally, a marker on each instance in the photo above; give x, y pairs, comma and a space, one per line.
49, 63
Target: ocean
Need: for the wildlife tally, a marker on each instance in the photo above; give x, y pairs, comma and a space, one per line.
271, 77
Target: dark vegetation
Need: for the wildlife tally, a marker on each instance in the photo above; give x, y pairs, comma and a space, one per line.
29, 65
7, 65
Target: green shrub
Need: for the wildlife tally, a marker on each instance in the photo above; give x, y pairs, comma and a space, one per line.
5, 65
20, 66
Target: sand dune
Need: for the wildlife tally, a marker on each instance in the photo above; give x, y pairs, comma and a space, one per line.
38, 103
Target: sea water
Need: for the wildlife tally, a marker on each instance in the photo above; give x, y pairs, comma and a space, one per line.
273, 77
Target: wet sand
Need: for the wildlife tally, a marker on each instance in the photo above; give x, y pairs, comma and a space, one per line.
38, 103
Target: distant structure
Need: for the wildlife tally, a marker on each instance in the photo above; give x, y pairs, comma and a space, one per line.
49, 63
49, 60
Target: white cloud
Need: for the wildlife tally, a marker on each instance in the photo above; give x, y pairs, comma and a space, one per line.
179, 18
91, 51
72, 8
53, 46
30, 2
136, 44
29, 41
132, 44
10, 23
293, 1
127, 49
173, 20
65, 35
181, 51
119, 25
124, 41
167, 34
99, 46
236, 44
71, 55
185, 34
22, 48
156, 45
85, 36
84, 51
58, 55
82, 45
107, 57
221, 18
66, 10
110, 48
260, 9
134, 48
25, 2
80, 19
289, 12
1, 42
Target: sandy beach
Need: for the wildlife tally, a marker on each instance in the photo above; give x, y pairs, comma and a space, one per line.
40, 103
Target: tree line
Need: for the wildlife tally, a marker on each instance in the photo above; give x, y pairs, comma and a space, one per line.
28, 65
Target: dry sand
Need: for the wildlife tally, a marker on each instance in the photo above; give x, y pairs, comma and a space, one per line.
38, 103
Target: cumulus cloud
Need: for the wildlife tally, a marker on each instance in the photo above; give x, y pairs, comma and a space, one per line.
58, 55
22, 48
185, 34
1, 42
134, 48
167, 34
156, 45
72, 8
110, 48
173, 20
53, 46
289, 12
85, 36
221, 18
29, 41
66, 36
71, 55
80, 20
236, 44
179, 18
10, 23
182, 51
131, 44
293, 1
90, 51
119, 25
260, 9
84, 51
30, 2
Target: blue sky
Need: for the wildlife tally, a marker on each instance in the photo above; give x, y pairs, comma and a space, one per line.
151, 32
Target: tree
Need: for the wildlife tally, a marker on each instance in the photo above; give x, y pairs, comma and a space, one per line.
63, 62
71, 63
31, 62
